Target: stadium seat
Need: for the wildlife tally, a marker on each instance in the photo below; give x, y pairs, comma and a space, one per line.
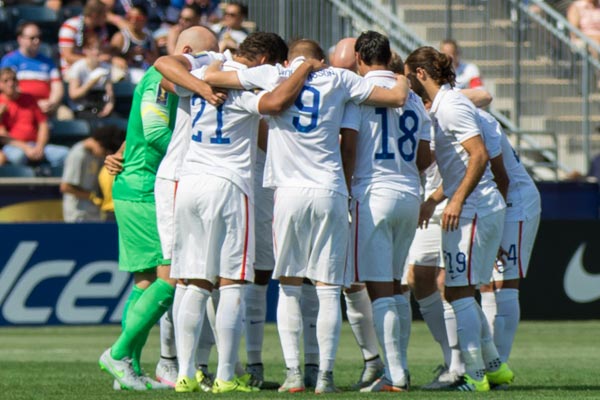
6, 31
123, 97
119, 122
46, 18
16, 171
68, 132
70, 11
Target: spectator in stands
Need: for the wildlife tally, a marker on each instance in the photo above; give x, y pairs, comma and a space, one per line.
230, 31
134, 44
25, 126
585, 16
56, 5
467, 74
188, 17
37, 74
80, 185
210, 13
74, 32
90, 87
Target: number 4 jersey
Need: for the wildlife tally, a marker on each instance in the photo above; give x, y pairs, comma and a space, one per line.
303, 149
387, 142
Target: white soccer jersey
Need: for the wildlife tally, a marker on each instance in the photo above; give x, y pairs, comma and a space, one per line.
388, 140
454, 119
468, 76
171, 162
223, 138
303, 145
523, 198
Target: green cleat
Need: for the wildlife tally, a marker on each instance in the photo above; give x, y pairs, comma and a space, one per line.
467, 384
234, 385
502, 376
204, 380
186, 385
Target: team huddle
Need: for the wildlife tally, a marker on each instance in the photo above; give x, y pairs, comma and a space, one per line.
267, 163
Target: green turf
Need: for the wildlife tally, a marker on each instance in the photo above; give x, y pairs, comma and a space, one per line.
557, 360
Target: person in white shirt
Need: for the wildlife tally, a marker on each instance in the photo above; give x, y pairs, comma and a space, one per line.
467, 74
214, 235
393, 144
304, 165
471, 221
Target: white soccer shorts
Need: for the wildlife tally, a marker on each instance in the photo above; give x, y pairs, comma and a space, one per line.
518, 238
263, 213
426, 248
164, 195
214, 235
469, 252
310, 230
383, 227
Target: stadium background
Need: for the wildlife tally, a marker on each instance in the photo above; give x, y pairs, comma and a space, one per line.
55, 273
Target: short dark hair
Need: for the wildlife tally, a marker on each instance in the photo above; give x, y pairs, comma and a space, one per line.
263, 43
242, 7
307, 48
110, 137
396, 65
438, 65
373, 48
24, 24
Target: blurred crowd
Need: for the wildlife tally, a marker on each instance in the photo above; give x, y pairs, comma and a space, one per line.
80, 60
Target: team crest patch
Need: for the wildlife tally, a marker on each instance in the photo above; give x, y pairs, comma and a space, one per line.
162, 96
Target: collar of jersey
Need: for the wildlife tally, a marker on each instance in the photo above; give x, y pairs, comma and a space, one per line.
438, 98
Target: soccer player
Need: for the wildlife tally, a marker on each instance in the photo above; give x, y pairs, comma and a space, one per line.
471, 221
149, 131
214, 226
500, 299
358, 304
310, 228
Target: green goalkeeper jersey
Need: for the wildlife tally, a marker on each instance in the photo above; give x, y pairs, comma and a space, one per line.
149, 131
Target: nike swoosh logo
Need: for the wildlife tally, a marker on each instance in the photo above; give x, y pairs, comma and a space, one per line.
255, 322
581, 286
119, 372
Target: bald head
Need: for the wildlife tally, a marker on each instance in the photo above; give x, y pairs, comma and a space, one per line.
195, 39
344, 54
306, 48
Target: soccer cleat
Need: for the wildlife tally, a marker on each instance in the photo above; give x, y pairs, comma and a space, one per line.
293, 382
122, 371
152, 384
311, 373
234, 385
257, 374
442, 380
166, 372
502, 376
325, 383
186, 385
383, 384
204, 380
372, 371
467, 384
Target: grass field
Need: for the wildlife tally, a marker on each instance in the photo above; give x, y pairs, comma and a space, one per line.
552, 360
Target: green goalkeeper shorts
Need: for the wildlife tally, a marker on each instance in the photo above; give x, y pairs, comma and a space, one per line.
139, 243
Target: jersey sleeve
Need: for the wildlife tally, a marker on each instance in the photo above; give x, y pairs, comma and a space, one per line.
351, 117
183, 92
265, 77
155, 117
425, 131
492, 136
460, 118
248, 101
359, 89
198, 60
67, 33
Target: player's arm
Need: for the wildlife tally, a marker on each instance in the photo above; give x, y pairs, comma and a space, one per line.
480, 97
177, 70
263, 135
286, 93
423, 155
155, 121
114, 162
428, 206
348, 152
500, 175
223, 79
394, 97
478, 158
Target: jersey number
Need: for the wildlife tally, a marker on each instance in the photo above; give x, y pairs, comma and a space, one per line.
312, 108
408, 124
218, 138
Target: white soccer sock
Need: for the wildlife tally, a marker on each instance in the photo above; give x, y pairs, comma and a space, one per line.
387, 328
360, 316
329, 325
211, 313
179, 292
229, 326
432, 310
205, 344
456, 364
403, 307
507, 321
188, 325
488, 305
289, 323
309, 304
256, 309
167, 335
489, 352
469, 323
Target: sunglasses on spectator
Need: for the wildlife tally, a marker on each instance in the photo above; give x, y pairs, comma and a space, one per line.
31, 37
228, 14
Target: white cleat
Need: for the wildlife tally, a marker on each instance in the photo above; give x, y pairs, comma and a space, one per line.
444, 379
372, 371
122, 371
166, 372
325, 383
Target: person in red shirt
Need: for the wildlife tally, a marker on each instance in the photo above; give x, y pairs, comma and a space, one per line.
25, 126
